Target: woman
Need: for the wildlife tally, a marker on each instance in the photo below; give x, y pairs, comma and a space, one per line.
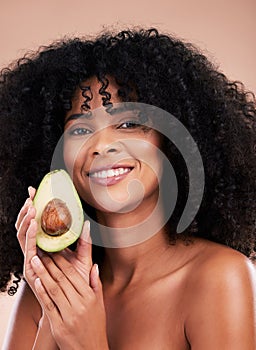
163, 289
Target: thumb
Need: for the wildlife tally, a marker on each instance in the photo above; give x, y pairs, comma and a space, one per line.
95, 281
31, 192
84, 245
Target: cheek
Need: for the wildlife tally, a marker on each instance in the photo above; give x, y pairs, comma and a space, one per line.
74, 162
72, 155
148, 154
68, 156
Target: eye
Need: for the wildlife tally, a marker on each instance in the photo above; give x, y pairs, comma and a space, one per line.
130, 124
79, 131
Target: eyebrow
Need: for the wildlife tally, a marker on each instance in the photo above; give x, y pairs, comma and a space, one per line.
77, 116
88, 115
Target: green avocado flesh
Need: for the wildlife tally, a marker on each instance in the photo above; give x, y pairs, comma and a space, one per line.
59, 212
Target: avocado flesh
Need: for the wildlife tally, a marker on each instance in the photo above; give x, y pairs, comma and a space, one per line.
55, 188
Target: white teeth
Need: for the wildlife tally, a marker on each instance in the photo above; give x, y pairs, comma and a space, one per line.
110, 173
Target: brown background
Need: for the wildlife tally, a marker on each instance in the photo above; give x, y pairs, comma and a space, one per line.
224, 29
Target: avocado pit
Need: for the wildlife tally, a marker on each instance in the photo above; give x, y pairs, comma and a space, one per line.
56, 218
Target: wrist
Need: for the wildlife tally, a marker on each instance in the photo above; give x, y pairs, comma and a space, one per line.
44, 322
44, 338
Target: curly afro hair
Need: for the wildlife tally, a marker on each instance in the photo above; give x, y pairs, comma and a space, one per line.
37, 90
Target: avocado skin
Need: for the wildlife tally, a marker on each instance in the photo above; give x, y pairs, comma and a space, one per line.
58, 184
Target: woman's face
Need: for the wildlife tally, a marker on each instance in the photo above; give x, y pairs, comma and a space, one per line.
115, 162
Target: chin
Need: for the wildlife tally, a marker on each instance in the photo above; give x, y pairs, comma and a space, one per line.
117, 204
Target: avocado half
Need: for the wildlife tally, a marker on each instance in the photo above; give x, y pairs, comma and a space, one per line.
59, 212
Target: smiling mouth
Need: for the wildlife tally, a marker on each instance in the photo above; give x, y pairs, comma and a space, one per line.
110, 173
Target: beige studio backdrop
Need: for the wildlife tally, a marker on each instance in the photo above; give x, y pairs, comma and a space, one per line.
224, 29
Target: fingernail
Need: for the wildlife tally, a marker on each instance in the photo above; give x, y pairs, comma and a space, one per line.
29, 190
86, 230
35, 260
97, 269
38, 282
87, 225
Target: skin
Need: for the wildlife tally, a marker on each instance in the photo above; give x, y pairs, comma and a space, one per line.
150, 295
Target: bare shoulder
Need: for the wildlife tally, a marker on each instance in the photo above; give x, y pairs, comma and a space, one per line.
217, 268
24, 320
215, 260
221, 298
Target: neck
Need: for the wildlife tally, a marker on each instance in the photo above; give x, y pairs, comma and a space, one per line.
134, 242
126, 266
122, 230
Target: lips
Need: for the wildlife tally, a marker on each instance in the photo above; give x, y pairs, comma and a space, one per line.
109, 175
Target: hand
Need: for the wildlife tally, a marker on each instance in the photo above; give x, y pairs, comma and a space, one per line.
80, 258
71, 297
25, 221
26, 214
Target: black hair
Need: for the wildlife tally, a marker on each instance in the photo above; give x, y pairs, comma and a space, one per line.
36, 92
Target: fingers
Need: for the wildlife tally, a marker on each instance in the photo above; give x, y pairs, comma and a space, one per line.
46, 302
24, 225
96, 284
60, 285
28, 203
71, 273
26, 214
94, 279
60, 278
30, 251
31, 192
50, 290
84, 246
23, 212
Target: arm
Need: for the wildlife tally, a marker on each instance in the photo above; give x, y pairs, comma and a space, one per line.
69, 285
222, 313
23, 332
44, 338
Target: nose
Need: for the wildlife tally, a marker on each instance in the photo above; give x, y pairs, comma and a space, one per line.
103, 144
110, 148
